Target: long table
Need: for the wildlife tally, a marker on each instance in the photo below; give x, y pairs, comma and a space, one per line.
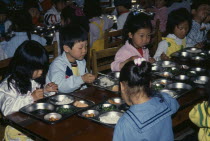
79, 129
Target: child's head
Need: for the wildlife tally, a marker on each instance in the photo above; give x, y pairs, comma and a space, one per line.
59, 4
73, 40
3, 14
137, 29
200, 10
122, 5
32, 7
135, 80
160, 3
92, 8
30, 61
179, 22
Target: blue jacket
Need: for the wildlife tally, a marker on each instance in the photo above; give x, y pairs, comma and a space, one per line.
60, 73
149, 121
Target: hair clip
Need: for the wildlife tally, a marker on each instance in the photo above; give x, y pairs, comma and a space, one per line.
138, 61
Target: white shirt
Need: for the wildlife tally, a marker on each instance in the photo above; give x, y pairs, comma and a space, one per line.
121, 20
163, 46
52, 17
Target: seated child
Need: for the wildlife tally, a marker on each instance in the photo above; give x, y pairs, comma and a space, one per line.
160, 11
136, 35
25, 82
197, 36
98, 23
178, 25
52, 16
123, 11
149, 115
68, 71
200, 115
4, 22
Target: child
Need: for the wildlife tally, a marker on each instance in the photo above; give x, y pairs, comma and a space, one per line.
22, 27
160, 11
178, 25
52, 16
25, 82
136, 34
98, 23
200, 115
122, 7
69, 69
149, 115
4, 23
196, 36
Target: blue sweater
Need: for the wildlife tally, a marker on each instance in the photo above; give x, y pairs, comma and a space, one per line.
149, 121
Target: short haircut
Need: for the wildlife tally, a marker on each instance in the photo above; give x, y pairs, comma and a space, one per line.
134, 22
92, 8
71, 34
177, 17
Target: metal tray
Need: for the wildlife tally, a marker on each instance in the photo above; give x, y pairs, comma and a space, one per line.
105, 109
112, 87
179, 87
47, 108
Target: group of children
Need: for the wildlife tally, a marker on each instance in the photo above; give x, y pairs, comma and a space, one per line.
30, 77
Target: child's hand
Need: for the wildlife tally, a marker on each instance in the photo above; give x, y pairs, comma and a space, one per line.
152, 60
88, 78
38, 94
199, 45
164, 56
51, 87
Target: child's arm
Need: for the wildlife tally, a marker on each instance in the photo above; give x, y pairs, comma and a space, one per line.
162, 48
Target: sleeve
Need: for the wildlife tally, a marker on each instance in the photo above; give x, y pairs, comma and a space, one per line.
11, 101
198, 115
192, 39
57, 75
172, 102
109, 22
94, 33
119, 57
162, 47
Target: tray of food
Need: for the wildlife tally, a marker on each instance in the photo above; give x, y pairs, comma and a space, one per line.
106, 113
107, 82
56, 108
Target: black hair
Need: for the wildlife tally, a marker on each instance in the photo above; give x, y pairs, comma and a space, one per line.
22, 22
177, 17
57, 1
92, 8
28, 57
71, 34
125, 3
30, 4
137, 78
197, 3
134, 22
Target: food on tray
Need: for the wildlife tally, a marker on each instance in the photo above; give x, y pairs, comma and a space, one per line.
64, 101
168, 65
62, 110
115, 88
165, 75
80, 104
163, 83
110, 119
90, 115
200, 81
112, 101
194, 51
106, 82
158, 87
53, 118
109, 108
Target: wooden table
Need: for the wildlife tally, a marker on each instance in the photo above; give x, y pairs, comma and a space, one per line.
79, 129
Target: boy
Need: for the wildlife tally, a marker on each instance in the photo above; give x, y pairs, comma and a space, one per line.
68, 70
122, 7
52, 16
196, 36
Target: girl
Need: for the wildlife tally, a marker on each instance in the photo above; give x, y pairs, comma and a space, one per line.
25, 82
200, 115
136, 34
22, 27
149, 115
178, 25
98, 23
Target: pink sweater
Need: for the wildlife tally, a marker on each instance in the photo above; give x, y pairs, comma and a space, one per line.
126, 52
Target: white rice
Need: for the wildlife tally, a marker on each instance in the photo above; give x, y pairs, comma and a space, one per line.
200, 81
110, 119
106, 82
66, 100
